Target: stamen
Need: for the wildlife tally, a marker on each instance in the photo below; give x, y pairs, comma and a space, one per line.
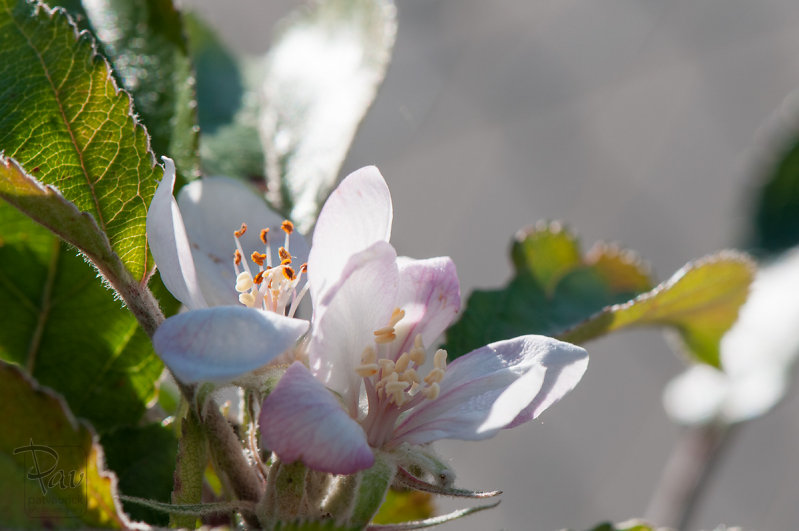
258, 258
366, 370
284, 254
239, 233
435, 376
247, 299
440, 359
259, 277
417, 356
304, 268
402, 362
288, 273
287, 226
432, 392
265, 236
237, 257
387, 366
243, 282
396, 316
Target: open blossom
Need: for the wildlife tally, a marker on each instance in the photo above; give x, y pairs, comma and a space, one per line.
756, 355
240, 316
375, 317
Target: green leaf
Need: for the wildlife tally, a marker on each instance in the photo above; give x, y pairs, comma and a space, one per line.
322, 75
47, 206
404, 505
700, 301
555, 287
64, 120
67, 329
775, 223
145, 43
143, 459
38, 425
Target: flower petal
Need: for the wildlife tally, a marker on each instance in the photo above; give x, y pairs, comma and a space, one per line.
354, 308
302, 420
431, 297
357, 214
497, 386
215, 207
221, 343
166, 235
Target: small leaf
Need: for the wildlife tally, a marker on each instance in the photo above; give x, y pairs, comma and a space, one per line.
67, 329
322, 74
145, 43
64, 120
143, 459
700, 301
40, 437
408, 480
554, 288
431, 522
404, 505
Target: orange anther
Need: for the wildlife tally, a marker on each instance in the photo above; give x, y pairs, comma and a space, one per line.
304, 268
239, 233
265, 235
287, 226
237, 257
284, 254
259, 277
258, 258
288, 273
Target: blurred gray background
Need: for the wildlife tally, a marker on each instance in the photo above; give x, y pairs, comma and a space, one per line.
636, 121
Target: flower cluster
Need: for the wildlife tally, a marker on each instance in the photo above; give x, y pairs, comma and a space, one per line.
363, 377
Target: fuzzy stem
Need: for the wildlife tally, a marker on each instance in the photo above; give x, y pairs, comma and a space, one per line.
690, 466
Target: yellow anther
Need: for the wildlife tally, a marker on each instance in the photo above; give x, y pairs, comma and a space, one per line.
396, 316
258, 258
265, 236
366, 370
386, 338
432, 392
417, 342
284, 254
259, 277
440, 359
288, 273
287, 226
387, 366
239, 233
403, 361
237, 257
243, 282
393, 387
417, 356
409, 375
436, 375
247, 299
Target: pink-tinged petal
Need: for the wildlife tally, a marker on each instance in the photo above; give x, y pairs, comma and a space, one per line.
494, 387
166, 235
213, 208
431, 297
357, 214
218, 344
354, 308
302, 420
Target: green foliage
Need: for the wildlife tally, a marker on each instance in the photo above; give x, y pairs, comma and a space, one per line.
33, 415
776, 206
631, 525
64, 120
554, 288
700, 301
404, 505
67, 329
192, 459
143, 459
146, 45
322, 75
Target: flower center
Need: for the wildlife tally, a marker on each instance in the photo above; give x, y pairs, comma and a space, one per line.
393, 387
273, 288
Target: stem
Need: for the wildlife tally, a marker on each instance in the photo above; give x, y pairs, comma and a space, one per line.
688, 470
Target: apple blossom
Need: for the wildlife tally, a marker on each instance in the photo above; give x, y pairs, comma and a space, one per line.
375, 315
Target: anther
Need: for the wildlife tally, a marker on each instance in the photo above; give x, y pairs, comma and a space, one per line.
265, 236
432, 392
369, 355
243, 282
417, 356
258, 258
287, 226
435, 376
304, 268
239, 233
288, 273
259, 277
440, 359
403, 361
247, 299
366, 370
284, 254
396, 316
237, 257
387, 366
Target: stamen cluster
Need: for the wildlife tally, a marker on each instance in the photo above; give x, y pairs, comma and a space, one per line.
274, 287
